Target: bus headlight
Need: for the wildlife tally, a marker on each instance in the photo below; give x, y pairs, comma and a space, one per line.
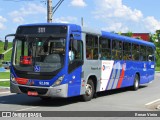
13, 79
58, 81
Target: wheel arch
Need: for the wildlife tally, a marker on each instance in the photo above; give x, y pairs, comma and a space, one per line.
94, 79
137, 73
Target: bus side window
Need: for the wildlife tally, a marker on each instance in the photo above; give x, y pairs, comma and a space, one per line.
75, 55
150, 54
91, 47
117, 50
127, 51
105, 48
142, 53
75, 50
135, 52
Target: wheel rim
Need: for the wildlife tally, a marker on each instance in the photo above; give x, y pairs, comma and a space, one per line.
88, 89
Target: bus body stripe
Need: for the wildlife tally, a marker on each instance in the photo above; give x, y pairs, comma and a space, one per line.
117, 78
112, 79
122, 76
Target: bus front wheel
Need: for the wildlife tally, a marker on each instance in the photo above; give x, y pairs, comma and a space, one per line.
89, 91
136, 83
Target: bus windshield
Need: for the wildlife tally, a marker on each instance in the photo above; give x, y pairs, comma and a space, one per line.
39, 54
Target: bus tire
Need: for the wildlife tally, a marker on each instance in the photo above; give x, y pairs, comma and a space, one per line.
89, 91
136, 83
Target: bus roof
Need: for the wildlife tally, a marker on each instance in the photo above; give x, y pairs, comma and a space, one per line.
47, 24
115, 36
126, 39
96, 32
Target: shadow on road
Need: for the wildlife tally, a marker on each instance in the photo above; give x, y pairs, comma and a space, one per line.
22, 99
117, 91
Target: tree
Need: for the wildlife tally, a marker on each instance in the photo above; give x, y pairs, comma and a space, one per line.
129, 34
155, 39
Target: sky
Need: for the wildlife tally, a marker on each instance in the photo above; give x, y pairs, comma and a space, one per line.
139, 16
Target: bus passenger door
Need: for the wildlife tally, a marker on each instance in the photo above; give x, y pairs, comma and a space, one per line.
75, 57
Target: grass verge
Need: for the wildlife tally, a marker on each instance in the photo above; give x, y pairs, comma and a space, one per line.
157, 68
4, 75
5, 83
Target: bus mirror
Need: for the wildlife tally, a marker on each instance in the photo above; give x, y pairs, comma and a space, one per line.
6, 45
6, 41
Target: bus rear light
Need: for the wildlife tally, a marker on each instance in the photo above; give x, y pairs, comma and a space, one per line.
22, 81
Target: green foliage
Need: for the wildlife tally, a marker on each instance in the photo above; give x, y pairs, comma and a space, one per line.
2, 46
4, 75
7, 56
157, 68
129, 34
154, 39
5, 83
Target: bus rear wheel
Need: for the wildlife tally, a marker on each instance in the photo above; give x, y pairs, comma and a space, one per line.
89, 92
136, 83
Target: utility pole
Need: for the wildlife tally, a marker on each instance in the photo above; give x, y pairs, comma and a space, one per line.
49, 11
82, 21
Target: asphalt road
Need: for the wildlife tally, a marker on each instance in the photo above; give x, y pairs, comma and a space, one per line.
147, 98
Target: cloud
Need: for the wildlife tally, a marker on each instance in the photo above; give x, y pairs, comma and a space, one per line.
68, 19
18, 19
28, 10
151, 23
115, 8
2, 27
119, 17
116, 26
2, 21
78, 3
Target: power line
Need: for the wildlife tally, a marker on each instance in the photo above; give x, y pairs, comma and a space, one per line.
50, 10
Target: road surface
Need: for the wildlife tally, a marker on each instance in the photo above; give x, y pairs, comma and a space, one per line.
147, 98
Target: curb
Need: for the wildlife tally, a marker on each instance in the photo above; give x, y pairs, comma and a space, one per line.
4, 88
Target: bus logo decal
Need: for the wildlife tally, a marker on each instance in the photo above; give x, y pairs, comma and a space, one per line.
103, 67
36, 68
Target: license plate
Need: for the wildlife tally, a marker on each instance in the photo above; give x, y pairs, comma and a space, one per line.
32, 93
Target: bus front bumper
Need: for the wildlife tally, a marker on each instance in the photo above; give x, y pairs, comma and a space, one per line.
57, 91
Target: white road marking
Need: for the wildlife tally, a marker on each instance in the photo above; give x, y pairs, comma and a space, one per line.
26, 108
4, 93
152, 102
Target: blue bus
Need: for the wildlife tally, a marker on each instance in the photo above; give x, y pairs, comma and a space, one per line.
65, 60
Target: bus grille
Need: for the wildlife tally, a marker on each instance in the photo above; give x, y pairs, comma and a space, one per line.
40, 91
